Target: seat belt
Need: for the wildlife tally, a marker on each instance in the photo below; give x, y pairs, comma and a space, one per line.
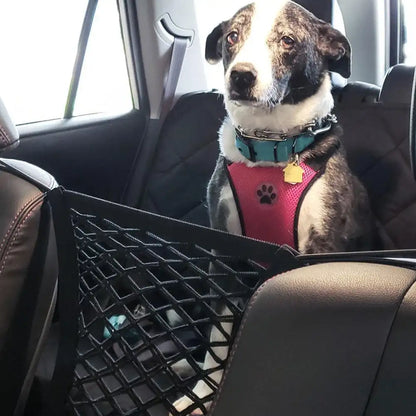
134, 189
176, 61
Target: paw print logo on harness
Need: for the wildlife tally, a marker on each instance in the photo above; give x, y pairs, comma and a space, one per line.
266, 194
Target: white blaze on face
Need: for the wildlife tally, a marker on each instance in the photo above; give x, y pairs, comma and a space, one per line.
255, 49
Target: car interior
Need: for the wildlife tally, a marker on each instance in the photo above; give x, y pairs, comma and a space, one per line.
110, 274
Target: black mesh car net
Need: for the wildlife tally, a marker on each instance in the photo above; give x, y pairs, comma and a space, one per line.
155, 296
143, 299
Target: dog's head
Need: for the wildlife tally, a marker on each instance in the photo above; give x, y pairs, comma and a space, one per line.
276, 52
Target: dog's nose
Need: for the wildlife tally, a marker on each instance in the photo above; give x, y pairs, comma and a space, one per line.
243, 77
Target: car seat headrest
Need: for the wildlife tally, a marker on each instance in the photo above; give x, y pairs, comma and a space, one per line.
321, 9
9, 136
397, 85
329, 11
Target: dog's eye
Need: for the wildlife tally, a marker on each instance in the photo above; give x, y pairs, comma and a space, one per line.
232, 38
287, 42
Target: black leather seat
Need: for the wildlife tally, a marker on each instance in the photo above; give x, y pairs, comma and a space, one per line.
330, 339
28, 271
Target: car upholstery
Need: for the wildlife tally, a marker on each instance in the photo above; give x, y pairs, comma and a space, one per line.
28, 270
329, 339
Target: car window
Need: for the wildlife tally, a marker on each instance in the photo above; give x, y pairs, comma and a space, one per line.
39, 41
104, 83
209, 14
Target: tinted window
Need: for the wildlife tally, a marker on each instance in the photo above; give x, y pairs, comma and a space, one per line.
39, 42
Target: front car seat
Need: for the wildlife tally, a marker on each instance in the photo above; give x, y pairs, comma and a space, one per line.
28, 270
329, 339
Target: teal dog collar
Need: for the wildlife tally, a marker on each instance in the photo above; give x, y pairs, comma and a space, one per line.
266, 146
271, 150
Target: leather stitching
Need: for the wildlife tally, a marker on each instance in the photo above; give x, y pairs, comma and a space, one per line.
236, 344
14, 221
17, 233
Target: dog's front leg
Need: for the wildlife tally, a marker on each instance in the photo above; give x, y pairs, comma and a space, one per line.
213, 359
224, 216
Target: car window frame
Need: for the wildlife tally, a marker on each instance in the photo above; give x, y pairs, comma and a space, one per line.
135, 70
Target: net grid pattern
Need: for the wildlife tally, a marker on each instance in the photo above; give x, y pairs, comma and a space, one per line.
147, 309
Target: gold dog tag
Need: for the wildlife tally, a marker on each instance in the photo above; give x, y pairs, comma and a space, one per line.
293, 173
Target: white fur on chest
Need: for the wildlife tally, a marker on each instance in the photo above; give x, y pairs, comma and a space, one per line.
233, 224
312, 212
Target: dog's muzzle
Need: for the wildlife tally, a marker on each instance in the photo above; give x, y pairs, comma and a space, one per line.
243, 78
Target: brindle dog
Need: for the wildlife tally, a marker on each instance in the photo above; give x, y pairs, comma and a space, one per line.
277, 57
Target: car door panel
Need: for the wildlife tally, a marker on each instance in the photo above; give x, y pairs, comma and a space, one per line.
93, 157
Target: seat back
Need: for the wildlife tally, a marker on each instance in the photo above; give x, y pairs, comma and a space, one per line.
28, 271
330, 339
322, 9
376, 136
185, 158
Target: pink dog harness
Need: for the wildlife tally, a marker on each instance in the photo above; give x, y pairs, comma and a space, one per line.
268, 206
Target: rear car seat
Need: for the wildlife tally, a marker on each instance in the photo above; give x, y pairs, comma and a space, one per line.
376, 130
376, 137
28, 271
185, 158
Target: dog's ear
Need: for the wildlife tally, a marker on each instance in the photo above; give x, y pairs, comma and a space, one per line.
213, 45
336, 48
